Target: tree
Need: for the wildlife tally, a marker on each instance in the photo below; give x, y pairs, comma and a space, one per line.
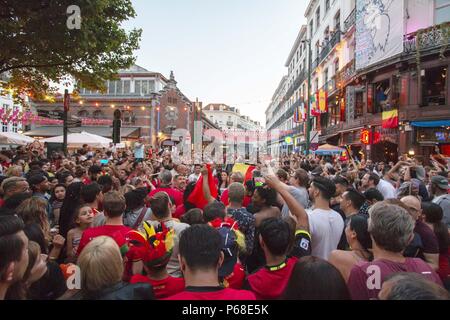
42, 44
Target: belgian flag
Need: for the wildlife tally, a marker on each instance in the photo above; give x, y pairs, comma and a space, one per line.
390, 119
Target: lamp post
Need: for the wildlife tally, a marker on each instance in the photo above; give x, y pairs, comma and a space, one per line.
308, 111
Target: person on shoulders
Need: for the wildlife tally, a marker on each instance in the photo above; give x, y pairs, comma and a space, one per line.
153, 248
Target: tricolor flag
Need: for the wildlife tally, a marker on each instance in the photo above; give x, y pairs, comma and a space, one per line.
297, 115
197, 196
390, 119
245, 169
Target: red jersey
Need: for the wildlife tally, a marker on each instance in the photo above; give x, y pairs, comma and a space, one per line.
213, 293
236, 279
118, 233
269, 282
175, 194
226, 201
179, 212
162, 288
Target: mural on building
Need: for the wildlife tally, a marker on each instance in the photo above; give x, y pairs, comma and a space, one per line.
379, 31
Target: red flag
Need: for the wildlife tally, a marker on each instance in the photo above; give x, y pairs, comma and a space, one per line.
248, 174
197, 197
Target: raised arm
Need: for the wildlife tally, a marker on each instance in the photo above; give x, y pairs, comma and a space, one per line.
294, 206
205, 185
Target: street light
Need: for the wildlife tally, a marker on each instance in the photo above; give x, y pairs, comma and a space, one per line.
308, 111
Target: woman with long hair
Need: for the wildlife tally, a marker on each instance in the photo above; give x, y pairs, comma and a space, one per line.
70, 203
358, 238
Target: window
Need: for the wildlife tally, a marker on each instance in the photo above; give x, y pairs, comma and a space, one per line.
317, 84
317, 50
14, 127
326, 34
119, 87
137, 87
311, 29
129, 117
337, 21
145, 87
382, 91
336, 66
83, 114
327, 5
325, 77
434, 86
126, 86
112, 87
5, 127
441, 11
98, 114
317, 17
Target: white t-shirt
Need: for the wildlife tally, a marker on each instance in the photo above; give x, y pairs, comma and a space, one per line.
326, 227
386, 189
193, 177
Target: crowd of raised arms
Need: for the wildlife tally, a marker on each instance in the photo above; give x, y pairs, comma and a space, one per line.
132, 224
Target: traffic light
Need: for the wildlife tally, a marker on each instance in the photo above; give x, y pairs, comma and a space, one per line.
117, 124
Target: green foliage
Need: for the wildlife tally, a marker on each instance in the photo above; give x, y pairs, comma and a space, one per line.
38, 47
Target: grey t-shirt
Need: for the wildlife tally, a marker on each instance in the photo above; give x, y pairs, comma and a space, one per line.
302, 197
444, 202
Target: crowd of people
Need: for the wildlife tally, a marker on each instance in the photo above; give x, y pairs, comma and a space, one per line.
134, 225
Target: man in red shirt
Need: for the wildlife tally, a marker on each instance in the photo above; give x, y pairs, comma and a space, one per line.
200, 258
235, 177
114, 207
269, 282
154, 249
166, 181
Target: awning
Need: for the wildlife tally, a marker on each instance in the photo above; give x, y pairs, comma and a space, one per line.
431, 124
53, 131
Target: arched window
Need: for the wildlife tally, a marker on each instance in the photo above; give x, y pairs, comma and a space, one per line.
129, 117
83, 114
98, 114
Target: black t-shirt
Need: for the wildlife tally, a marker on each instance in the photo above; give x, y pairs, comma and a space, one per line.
51, 286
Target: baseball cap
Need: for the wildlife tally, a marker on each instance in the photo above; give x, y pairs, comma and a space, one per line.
229, 249
441, 182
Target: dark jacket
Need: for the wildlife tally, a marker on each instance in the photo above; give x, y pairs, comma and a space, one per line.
120, 291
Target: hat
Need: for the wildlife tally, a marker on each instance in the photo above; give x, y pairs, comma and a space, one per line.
36, 179
230, 247
153, 247
441, 182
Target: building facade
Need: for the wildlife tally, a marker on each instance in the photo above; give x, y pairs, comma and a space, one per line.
370, 58
152, 107
229, 118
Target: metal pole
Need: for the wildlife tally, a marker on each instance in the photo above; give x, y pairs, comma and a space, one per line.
308, 111
66, 109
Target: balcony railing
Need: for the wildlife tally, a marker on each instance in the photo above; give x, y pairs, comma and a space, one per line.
315, 63
345, 74
297, 82
426, 39
335, 39
350, 21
